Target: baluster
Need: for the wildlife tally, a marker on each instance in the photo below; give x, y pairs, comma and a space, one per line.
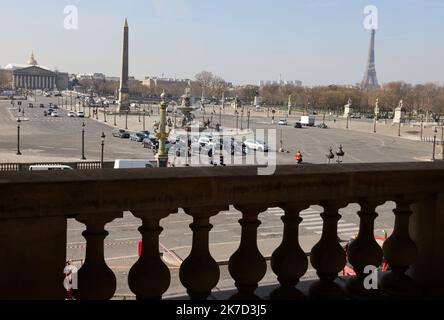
400, 252
327, 256
289, 262
199, 272
364, 250
247, 266
96, 281
149, 277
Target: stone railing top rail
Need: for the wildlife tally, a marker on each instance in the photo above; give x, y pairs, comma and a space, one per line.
34, 194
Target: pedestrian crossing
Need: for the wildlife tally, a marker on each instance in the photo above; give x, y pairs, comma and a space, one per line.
313, 222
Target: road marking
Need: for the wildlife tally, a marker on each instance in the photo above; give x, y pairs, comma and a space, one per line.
270, 227
121, 258
313, 219
266, 234
342, 225
314, 223
342, 231
348, 229
184, 221
212, 231
310, 216
126, 239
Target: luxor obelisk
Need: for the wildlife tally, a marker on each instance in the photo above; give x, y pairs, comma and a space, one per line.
124, 102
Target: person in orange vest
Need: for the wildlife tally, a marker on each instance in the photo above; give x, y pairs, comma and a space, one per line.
298, 157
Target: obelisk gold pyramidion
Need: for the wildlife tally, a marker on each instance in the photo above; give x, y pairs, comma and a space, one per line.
124, 102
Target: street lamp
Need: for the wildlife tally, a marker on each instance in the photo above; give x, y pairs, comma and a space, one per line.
83, 141
115, 123
434, 143
248, 120
126, 120
103, 147
144, 114
18, 136
242, 118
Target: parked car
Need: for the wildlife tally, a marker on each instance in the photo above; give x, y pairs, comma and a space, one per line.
80, 114
257, 145
205, 140
42, 105
283, 122
30, 105
150, 143
54, 114
55, 106
298, 125
71, 114
137, 136
322, 126
120, 133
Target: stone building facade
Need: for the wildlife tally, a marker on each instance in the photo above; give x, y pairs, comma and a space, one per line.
34, 77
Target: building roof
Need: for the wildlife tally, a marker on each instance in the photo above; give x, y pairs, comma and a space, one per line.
31, 62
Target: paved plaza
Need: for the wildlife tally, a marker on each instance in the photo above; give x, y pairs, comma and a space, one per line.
57, 139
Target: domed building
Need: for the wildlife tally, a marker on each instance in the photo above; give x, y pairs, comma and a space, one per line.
32, 76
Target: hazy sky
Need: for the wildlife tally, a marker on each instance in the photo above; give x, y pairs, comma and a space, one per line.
243, 41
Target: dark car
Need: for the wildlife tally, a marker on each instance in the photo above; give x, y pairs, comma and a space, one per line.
120, 133
55, 106
30, 105
42, 105
151, 143
298, 125
137, 137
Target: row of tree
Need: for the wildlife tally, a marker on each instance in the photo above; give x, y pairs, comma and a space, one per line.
416, 98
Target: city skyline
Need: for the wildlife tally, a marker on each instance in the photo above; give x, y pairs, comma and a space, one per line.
246, 49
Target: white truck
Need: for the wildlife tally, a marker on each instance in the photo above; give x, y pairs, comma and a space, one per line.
308, 121
132, 164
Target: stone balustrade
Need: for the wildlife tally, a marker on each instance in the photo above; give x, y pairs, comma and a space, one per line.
35, 207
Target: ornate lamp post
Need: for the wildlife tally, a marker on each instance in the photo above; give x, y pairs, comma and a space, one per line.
126, 119
144, 114
103, 149
248, 120
242, 118
115, 123
162, 135
83, 142
18, 137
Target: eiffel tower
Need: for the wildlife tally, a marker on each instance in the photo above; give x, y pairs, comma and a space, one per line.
370, 80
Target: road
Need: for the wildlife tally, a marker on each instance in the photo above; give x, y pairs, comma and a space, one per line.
48, 138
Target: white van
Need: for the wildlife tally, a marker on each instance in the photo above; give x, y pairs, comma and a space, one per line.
132, 164
51, 167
